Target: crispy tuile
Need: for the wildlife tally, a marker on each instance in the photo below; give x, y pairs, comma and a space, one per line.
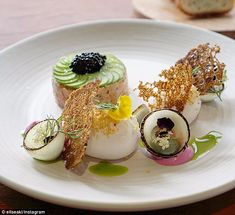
171, 92
209, 71
78, 114
103, 122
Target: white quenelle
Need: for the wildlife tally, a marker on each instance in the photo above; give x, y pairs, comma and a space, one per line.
193, 105
190, 111
117, 145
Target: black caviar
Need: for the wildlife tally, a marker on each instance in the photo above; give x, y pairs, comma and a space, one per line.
87, 63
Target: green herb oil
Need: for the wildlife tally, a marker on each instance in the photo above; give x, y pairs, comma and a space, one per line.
107, 169
203, 144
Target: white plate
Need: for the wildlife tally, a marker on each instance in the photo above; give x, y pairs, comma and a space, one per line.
146, 47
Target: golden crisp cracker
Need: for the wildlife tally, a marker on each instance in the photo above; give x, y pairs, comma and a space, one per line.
103, 122
207, 70
170, 92
78, 114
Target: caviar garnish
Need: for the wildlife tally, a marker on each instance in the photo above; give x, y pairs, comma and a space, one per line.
90, 62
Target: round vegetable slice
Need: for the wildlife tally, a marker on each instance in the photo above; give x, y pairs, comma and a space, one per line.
165, 132
44, 141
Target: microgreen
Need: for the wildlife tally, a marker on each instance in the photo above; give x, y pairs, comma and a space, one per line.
106, 106
196, 70
217, 90
225, 77
52, 127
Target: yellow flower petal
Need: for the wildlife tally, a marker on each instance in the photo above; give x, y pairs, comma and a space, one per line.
124, 109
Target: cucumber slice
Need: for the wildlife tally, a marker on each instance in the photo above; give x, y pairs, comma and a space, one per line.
113, 71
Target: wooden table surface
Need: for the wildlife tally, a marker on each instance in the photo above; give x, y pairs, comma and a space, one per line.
22, 18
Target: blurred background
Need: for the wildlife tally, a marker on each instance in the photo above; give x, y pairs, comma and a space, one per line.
22, 18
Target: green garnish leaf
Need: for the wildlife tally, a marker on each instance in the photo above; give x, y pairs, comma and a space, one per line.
140, 143
59, 120
106, 106
225, 77
72, 134
217, 90
196, 70
52, 127
22, 133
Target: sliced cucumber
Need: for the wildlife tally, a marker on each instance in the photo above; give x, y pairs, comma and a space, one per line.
113, 71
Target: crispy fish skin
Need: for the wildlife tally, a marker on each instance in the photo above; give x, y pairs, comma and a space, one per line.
78, 114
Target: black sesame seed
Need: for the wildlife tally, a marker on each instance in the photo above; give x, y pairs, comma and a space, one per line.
90, 62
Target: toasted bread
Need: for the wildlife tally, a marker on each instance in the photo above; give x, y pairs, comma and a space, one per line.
205, 7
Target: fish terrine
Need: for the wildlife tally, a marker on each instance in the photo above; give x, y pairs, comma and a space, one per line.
74, 71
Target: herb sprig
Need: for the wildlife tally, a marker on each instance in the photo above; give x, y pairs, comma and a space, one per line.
52, 127
106, 106
196, 70
217, 90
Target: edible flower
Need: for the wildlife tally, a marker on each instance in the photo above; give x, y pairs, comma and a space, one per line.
165, 123
123, 110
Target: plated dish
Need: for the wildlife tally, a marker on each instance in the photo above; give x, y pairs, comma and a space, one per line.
97, 119
159, 123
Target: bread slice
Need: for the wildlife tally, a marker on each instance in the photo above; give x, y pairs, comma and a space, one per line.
205, 7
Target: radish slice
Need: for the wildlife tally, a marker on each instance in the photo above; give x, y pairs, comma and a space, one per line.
43, 141
30, 126
165, 132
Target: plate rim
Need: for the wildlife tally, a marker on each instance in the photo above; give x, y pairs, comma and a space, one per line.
121, 206
105, 21
118, 206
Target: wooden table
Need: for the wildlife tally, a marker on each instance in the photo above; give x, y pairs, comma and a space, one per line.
22, 18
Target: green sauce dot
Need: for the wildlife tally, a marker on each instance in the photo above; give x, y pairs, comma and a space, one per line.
107, 169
